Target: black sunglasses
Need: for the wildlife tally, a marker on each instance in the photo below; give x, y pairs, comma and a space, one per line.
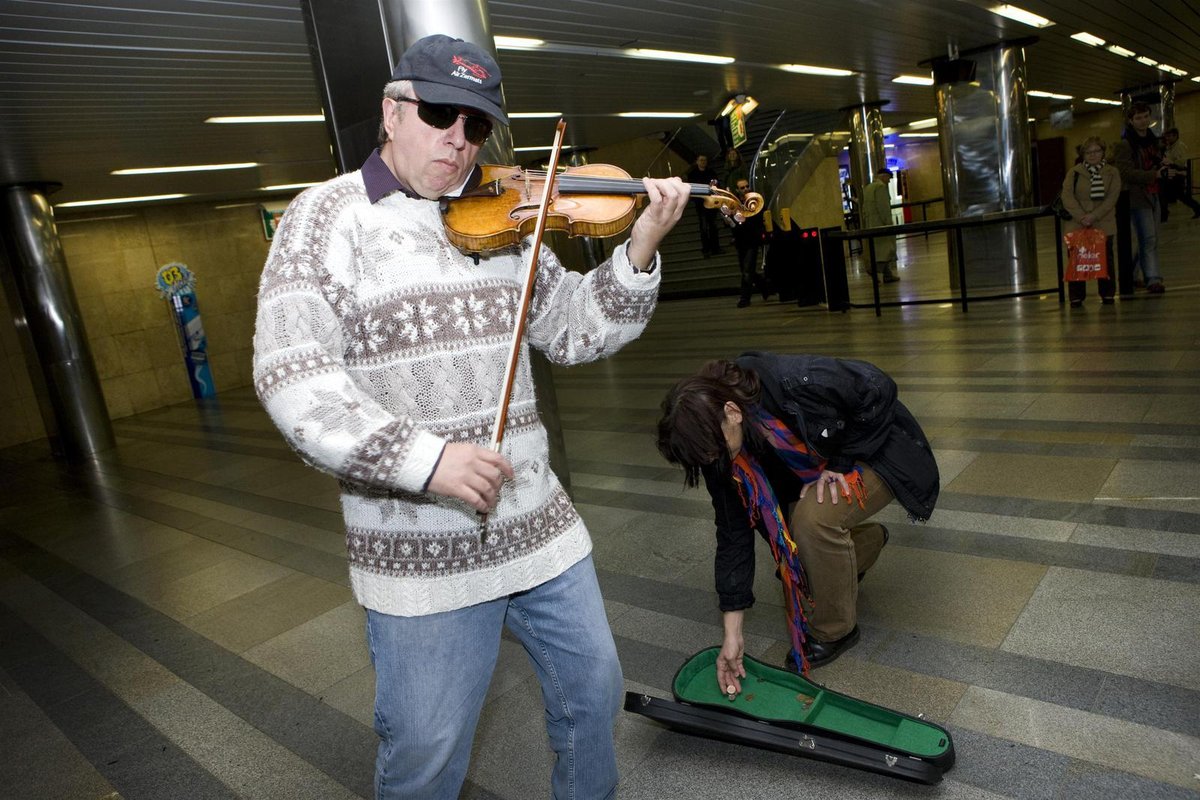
476, 128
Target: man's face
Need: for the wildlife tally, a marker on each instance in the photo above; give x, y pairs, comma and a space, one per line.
431, 161
1170, 138
743, 187
1140, 122
702, 162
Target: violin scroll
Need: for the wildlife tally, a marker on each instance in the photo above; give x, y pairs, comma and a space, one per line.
740, 208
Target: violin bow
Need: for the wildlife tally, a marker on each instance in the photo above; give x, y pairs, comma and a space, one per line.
514, 350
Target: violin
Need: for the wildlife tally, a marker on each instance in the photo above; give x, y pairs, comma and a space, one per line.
597, 200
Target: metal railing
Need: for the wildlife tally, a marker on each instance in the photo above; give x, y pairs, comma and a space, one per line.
955, 227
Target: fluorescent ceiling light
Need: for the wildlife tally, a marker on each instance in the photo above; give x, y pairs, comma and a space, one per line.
1102, 101
191, 168
1021, 15
517, 42
534, 114
1149, 62
1196, 79
112, 201
1052, 95
805, 69
657, 114
672, 55
915, 80
1087, 38
93, 219
917, 135
1172, 70
279, 187
268, 118
923, 123
889, 144
1121, 51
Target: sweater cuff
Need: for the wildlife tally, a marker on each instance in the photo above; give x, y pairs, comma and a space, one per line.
630, 276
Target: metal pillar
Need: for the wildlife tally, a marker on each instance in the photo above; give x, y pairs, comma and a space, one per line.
867, 155
1161, 99
50, 326
987, 163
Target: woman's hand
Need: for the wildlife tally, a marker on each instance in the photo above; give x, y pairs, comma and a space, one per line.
1086, 220
831, 479
730, 669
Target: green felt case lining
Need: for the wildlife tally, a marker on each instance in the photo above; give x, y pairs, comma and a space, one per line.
777, 695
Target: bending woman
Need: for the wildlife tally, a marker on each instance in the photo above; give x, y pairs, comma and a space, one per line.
825, 434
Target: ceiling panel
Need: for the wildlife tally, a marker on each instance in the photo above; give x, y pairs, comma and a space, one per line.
87, 87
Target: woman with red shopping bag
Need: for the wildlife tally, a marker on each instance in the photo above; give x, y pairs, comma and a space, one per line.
1090, 193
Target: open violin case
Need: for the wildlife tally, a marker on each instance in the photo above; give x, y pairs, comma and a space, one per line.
782, 711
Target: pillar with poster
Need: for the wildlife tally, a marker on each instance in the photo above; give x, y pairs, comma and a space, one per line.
177, 284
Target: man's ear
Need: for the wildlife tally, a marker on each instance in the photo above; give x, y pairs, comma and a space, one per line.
389, 116
733, 412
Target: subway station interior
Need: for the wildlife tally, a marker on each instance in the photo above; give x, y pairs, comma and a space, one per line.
176, 616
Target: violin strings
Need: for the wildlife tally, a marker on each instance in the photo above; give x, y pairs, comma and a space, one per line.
581, 184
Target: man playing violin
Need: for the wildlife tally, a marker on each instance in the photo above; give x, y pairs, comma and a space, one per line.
380, 351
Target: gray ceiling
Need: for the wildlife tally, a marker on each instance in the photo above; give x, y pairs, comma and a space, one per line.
87, 87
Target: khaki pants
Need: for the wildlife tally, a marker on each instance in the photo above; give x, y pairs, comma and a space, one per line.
835, 544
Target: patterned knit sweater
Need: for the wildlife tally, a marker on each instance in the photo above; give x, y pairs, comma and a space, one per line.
377, 342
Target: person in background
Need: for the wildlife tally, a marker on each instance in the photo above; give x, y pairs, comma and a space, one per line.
877, 213
734, 169
1090, 192
1176, 189
380, 351
747, 238
1138, 158
805, 449
710, 231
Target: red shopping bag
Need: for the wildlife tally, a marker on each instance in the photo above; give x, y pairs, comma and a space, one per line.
1087, 256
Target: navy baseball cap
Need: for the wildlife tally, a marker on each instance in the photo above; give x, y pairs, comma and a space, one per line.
451, 71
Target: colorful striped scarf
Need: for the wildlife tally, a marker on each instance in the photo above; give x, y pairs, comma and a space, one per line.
763, 507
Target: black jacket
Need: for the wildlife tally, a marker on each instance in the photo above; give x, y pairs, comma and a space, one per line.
845, 411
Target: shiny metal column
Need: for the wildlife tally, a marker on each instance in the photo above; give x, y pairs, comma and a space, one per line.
1161, 99
50, 326
404, 22
987, 165
867, 155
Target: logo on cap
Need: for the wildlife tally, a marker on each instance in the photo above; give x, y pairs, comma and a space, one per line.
465, 68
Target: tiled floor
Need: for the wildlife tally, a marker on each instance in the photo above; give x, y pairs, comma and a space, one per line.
175, 620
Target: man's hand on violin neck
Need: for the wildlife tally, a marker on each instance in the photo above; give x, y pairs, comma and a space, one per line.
668, 197
471, 473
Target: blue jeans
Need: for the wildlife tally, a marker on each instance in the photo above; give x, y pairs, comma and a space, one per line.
1145, 225
432, 675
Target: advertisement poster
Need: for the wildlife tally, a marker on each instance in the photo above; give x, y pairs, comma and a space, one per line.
177, 284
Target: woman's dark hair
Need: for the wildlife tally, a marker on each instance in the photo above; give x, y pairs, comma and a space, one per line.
689, 433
